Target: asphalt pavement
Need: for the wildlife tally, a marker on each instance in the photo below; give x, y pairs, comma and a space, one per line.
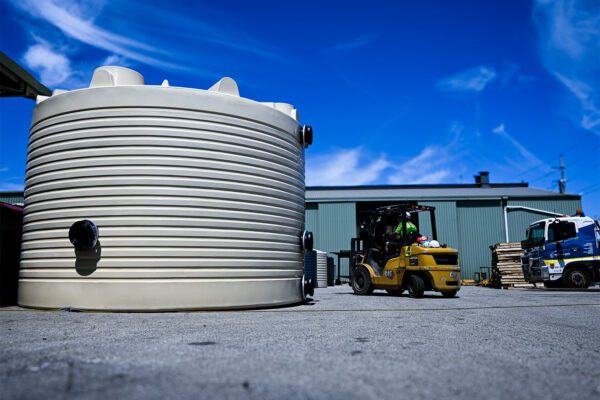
484, 344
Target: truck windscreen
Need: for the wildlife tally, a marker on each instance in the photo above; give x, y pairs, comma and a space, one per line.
535, 234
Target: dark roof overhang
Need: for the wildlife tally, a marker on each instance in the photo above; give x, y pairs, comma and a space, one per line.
16, 82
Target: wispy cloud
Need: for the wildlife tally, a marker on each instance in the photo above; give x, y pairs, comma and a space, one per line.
62, 16
190, 30
525, 159
431, 165
166, 43
52, 65
356, 42
355, 166
569, 33
344, 167
348, 167
117, 60
510, 73
342, 49
434, 164
472, 80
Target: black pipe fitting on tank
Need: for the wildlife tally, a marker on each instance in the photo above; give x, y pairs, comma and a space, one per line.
306, 240
83, 234
308, 287
306, 135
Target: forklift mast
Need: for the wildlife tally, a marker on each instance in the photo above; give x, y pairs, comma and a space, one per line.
402, 209
359, 246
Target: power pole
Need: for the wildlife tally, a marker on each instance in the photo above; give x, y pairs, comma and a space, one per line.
562, 183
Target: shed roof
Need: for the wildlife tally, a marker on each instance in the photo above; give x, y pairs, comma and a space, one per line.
428, 192
16, 82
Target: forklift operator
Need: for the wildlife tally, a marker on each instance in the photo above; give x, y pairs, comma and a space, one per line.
410, 227
393, 243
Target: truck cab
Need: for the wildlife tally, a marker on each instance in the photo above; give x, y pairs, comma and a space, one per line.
562, 252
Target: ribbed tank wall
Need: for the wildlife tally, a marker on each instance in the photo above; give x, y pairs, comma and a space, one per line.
198, 198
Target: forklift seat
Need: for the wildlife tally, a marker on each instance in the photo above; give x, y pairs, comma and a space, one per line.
372, 258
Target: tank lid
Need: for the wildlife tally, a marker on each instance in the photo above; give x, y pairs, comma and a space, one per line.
110, 76
116, 76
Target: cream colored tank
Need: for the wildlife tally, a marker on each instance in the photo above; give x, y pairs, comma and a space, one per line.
192, 199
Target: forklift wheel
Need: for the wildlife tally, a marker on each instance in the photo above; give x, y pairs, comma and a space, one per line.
451, 293
361, 281
395, 292
416, 286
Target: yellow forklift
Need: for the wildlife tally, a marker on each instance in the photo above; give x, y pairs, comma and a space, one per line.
381, 258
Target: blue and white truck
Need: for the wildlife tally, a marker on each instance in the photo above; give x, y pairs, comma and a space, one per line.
562, 252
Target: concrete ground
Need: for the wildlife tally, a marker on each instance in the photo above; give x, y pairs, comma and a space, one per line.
492, 344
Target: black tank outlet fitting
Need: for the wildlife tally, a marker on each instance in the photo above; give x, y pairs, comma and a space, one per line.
83, 234
308, 287
306, 135
307, 240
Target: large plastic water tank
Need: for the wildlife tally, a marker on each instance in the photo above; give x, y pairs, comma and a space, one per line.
195, 198
321, 269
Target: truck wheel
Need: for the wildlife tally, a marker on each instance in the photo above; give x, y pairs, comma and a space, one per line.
395, 292
577, 278
451, 293
361, 281
416, 286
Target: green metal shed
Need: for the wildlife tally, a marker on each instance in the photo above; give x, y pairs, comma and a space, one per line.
470, 217
12, 197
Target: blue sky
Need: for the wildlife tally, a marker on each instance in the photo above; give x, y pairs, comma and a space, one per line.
397, 91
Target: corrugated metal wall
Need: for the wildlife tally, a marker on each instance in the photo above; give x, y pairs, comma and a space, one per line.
12, 198
445, 215
312, 218
518, 221
480, 224
334, 225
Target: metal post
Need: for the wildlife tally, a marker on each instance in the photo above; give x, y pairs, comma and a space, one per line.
562, 183
433, 224
339, 279
505, 207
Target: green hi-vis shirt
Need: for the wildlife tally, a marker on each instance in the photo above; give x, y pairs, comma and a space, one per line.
410, 228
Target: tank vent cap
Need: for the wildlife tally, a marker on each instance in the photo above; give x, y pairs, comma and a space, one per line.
227, 86
116, 76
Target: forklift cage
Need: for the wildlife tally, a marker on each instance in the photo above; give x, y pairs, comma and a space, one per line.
358, 247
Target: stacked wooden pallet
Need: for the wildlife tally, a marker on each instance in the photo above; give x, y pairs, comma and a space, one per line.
506, 266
